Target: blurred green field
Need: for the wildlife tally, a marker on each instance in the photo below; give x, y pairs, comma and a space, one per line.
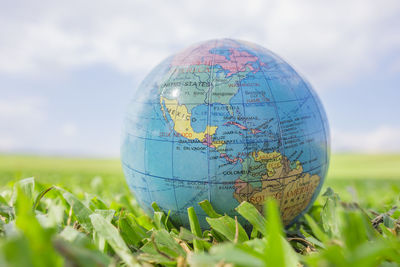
372, 180
99, 223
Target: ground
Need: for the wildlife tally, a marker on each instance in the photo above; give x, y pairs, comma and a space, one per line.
362, 222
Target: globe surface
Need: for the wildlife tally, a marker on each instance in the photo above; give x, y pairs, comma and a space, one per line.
227, 121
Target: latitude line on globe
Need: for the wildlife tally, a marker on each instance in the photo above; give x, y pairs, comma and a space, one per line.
204, 182
265, 102
237, 143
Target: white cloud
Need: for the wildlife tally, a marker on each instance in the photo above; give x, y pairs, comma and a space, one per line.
19, 116
383, 139
328, 41
7, 143
23, 112
69, 130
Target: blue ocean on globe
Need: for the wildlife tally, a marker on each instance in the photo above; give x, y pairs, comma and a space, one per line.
225, 121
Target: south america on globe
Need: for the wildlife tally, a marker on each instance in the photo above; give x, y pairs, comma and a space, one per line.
227, 121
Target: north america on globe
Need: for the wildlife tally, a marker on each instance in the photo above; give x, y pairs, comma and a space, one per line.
227, 121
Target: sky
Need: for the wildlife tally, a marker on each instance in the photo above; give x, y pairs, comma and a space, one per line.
69, 68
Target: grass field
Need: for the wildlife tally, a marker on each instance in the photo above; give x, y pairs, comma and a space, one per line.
106, 227
361, 176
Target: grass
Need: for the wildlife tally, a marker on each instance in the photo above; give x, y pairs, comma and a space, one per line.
91, 219
77, 174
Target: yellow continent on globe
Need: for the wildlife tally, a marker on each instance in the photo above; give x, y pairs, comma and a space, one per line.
292, 188
271, 160
182, 118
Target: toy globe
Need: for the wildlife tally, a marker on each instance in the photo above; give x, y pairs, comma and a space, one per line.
227, 121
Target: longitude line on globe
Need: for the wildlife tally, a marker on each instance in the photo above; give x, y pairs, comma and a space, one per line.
145, 168
211, 87
300, 104
172, 165
172, 142
318, 109
325, 134
245, 120
282, 147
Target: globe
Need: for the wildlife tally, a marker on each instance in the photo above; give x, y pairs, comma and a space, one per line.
225, 121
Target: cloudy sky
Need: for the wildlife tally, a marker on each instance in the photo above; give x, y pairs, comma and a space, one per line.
68, 69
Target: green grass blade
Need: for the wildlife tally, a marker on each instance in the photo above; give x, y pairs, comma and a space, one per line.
226, 226
226, 253
131, 232
353, 229
81, 256
27, 186
250, 213
146, 222
72, 235
39, 239
40, 196
195, 228
7, 211
11, 251
96, 203
317, 231
155, 206
278, 251
99, 240
163, 248
107, 231
208, 209
158, 218
329, 218
107, 214
80, 210
187, 235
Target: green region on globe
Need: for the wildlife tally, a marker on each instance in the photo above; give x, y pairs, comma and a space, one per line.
227, 121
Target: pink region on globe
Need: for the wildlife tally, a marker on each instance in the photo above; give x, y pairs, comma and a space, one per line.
252, 131
236, 124
234, 160
255, 131
239, 185
208, 141
237, 62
